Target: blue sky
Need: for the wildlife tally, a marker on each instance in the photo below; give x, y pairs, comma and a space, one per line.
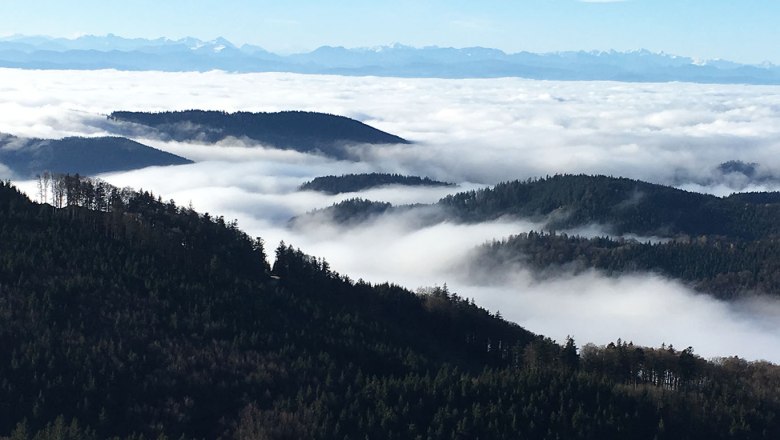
740, 30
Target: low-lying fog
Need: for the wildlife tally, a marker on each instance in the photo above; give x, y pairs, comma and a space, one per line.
471, 132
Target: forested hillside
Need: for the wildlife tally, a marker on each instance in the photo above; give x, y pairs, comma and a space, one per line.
356, 182
86, 156
726, 268
725, 246
122, 315
348, 212
307, 132
619, 204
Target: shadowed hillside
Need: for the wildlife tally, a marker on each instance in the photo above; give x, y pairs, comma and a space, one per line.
622, 205
726, 246
128, 316
86, 156
619, 205
729, 269
307, 132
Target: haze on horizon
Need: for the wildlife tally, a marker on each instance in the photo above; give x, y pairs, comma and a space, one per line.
717, 29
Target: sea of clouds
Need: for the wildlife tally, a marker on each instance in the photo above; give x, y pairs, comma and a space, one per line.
471, 132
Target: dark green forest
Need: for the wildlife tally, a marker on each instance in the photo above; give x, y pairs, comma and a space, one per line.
86, 156
308, 132
725, 246
124, 316
356, 182
726, 268
619, 205
345, 213
622, 205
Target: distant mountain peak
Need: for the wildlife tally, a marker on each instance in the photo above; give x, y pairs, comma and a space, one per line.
389, 47
219, 44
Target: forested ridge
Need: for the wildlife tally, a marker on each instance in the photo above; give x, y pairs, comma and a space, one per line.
308, 132
619, 205
623, 205
123, 315
345, 213
356, 182
83, 155
728, 269
725, 246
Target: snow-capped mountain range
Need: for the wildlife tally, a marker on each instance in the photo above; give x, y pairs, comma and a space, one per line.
115, 52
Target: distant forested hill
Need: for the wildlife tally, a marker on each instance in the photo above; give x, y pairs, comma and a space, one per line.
729, 269
354, 211
125, 316
619, 205
295, 130
622, 205
86, 156
726, 246
348, 212
357, 182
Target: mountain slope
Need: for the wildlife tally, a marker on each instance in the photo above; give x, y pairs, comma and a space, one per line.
151, 319
617, 205
301, 131
726, 246
622, 205
728, 269
86, 156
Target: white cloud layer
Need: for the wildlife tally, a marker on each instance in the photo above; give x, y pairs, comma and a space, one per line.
472, 132
483, 130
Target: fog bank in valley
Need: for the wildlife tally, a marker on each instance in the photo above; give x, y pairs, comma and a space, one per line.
473, 133
479, 130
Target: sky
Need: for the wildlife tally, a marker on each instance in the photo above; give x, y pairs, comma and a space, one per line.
738, 30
